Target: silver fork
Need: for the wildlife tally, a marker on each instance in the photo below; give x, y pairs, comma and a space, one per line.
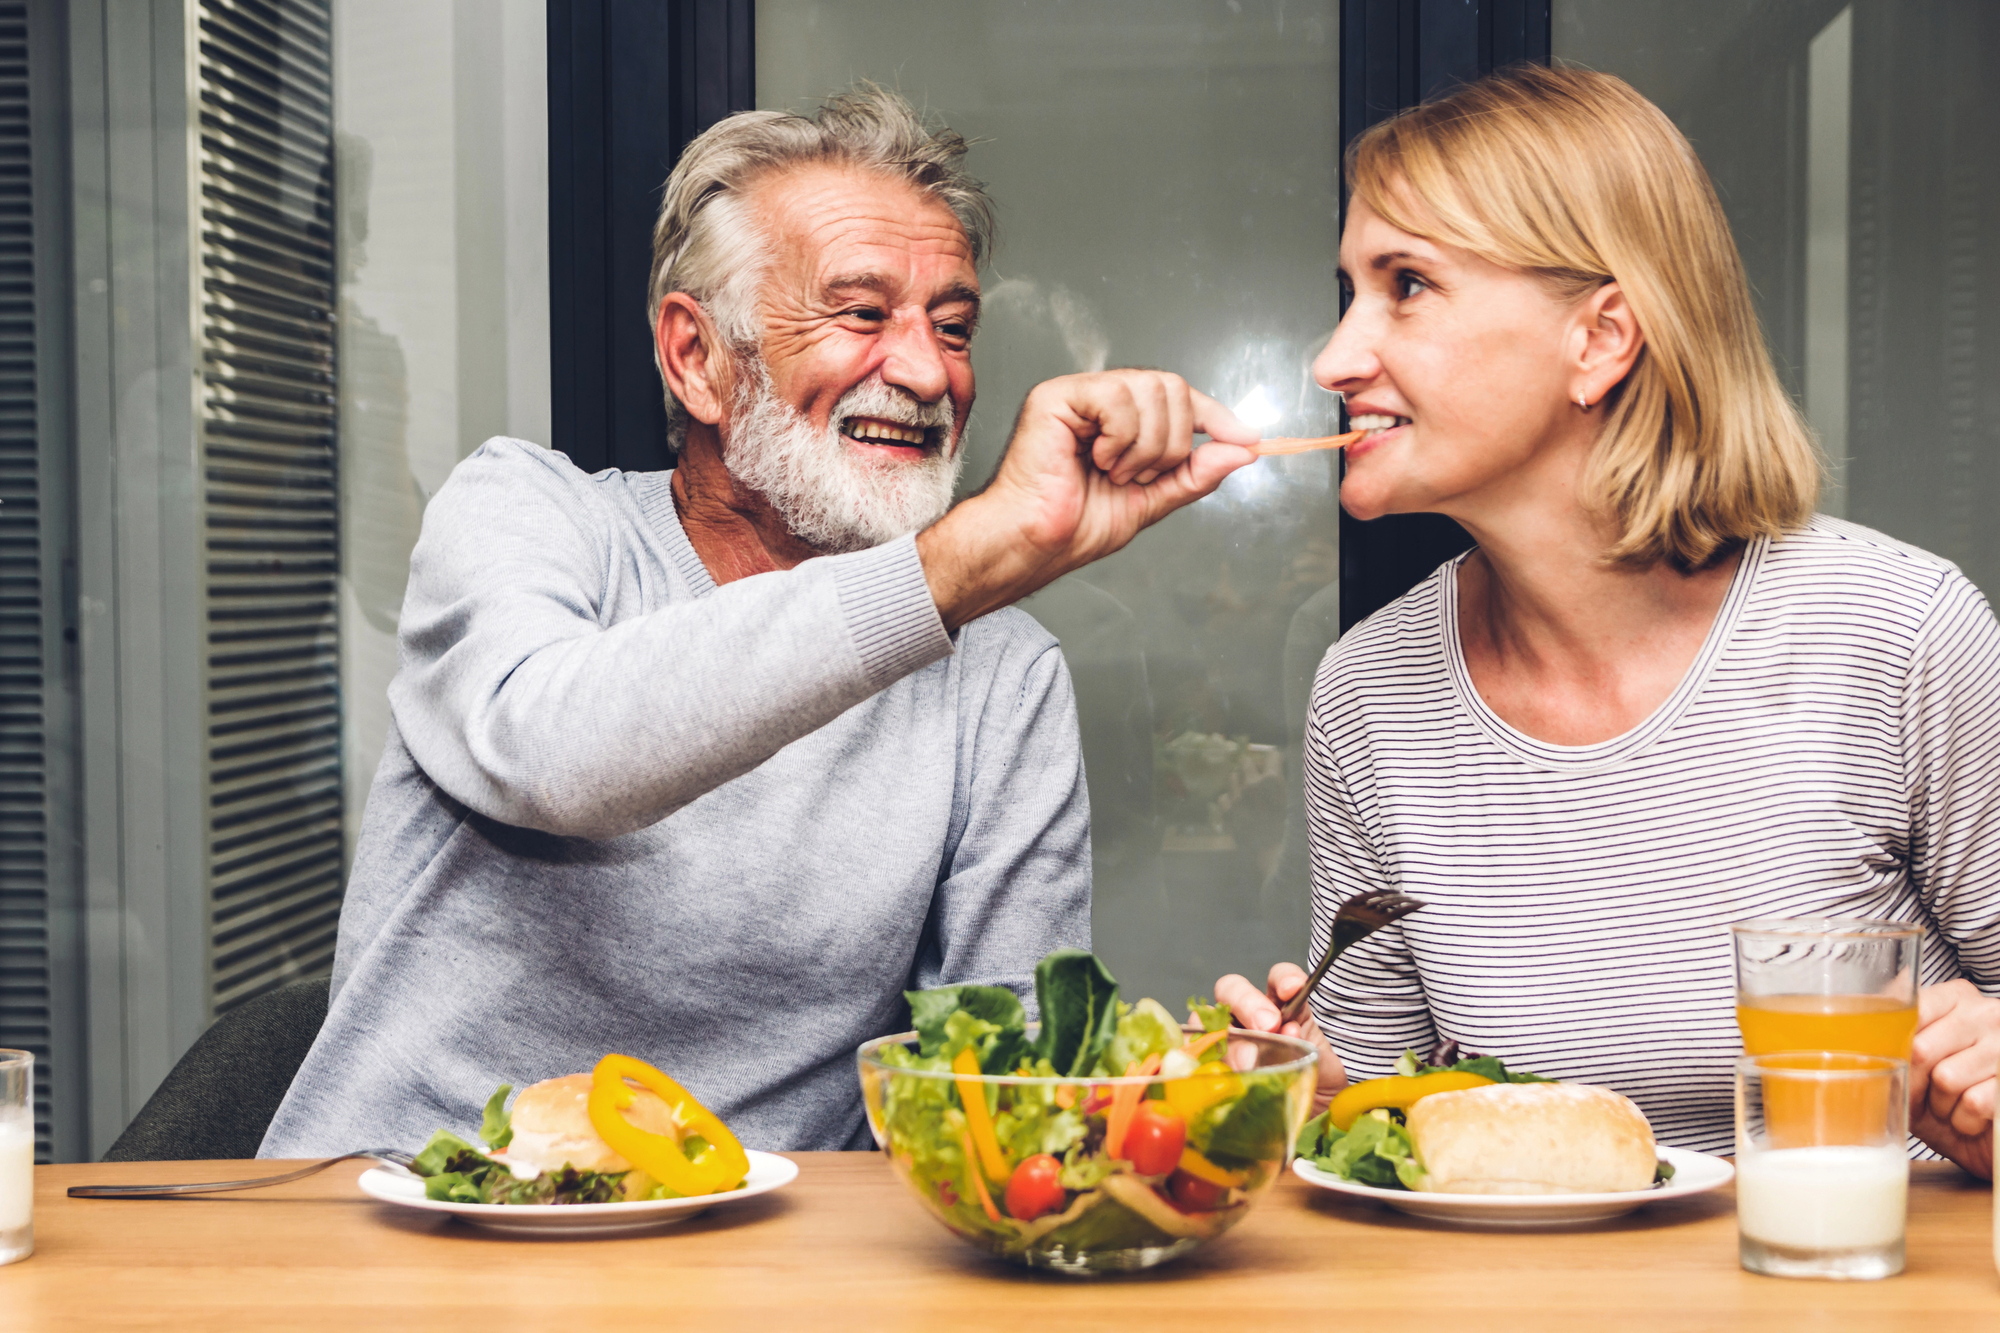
393, 1156
1358, 918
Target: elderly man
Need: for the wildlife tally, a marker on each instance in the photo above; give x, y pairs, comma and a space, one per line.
708, 766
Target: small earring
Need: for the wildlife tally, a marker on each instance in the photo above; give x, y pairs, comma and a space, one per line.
1581, 403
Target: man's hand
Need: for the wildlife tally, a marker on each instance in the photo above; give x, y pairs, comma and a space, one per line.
1094, 459
1258, 1010
1952, 1073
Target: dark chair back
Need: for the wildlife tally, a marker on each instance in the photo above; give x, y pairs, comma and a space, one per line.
220, 1098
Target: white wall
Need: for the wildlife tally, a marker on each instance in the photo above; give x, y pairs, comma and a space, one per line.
442, 112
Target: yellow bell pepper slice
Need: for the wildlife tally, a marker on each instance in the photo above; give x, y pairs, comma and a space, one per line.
979, 1120
1207, 1086
660, 1156
1399, 1091
1201, 1168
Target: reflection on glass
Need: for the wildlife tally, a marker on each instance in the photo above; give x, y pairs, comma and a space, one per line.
442, 120
1167, 177
1829, 81
1852, 145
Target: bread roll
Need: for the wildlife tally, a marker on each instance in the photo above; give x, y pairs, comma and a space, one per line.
552, 1126
1532, 1138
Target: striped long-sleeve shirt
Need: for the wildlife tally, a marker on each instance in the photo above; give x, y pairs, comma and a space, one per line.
1834, 750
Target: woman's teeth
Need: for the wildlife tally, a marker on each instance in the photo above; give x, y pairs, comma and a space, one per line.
1374, 421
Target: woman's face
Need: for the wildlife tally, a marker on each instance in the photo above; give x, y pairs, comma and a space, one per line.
1465, 374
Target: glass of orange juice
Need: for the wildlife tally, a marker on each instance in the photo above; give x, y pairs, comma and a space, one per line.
1827, 984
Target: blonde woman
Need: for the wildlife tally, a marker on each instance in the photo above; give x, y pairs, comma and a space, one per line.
1660, 695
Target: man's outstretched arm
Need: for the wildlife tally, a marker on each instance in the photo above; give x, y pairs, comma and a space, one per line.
520, 703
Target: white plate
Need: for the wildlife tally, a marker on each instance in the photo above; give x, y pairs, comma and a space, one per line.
768, 1171
1694, 1173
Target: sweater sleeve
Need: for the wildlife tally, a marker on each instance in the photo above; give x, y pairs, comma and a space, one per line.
1371, 1003
519, 701
1017, 883
1951, 750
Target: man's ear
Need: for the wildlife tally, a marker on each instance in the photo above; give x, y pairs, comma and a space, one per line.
1608, 343
690, 356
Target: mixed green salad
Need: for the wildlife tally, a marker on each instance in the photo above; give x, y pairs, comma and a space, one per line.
1070, 1164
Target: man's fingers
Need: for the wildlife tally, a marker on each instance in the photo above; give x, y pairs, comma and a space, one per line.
1108, 417
1165, 428
1219, 423
1198, 475
1151, 445
1180, 424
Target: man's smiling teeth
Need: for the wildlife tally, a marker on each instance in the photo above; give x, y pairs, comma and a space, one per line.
1374, 421
883, 432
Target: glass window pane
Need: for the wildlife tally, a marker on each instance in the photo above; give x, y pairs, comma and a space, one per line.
441, 115
1167, 178
1852, 145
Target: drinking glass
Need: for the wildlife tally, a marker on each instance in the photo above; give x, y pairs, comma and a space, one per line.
1822, 1175
1827, 984
17, 1156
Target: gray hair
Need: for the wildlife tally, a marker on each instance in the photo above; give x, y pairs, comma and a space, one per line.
705, 242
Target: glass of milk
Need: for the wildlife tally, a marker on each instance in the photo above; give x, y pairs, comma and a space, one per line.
17, 1155
1822, 1171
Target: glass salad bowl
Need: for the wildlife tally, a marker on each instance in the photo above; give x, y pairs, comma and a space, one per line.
1092, 1174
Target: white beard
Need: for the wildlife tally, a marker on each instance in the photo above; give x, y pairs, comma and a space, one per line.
832, 500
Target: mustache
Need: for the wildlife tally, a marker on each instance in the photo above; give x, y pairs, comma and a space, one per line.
830, 498
874, 397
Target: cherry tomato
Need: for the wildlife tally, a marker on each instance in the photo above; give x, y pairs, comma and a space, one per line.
1192, 1194
1034, 1189
1153, 1144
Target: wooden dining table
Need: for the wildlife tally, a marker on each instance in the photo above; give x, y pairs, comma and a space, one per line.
845, 1246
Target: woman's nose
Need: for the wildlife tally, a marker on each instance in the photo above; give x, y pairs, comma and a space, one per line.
1349, 361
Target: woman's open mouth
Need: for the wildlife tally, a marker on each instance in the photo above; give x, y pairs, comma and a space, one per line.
894, 438
1377, 426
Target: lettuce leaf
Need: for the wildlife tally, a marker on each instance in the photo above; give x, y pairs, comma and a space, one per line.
931, 1012
1079, 1004
1253, 1129
1499, 1073
1212, 1017
1110, 1226
496, 1127
454, 1171
1078, 997
1146, 1029
1376, 1151
1486, 1066
436, 1157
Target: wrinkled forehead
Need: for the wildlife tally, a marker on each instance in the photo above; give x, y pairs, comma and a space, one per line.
828, 223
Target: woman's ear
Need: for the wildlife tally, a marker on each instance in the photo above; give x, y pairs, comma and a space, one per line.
1608, 340
686, 346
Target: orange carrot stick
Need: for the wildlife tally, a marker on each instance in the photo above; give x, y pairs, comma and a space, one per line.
978, 1177
1125, 1104
1287, 445
1204, 1041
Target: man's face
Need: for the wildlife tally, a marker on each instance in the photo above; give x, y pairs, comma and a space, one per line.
850, 423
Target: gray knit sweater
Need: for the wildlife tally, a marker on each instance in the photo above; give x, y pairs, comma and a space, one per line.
717, 828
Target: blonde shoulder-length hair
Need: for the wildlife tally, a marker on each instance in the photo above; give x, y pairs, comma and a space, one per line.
1574, 177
